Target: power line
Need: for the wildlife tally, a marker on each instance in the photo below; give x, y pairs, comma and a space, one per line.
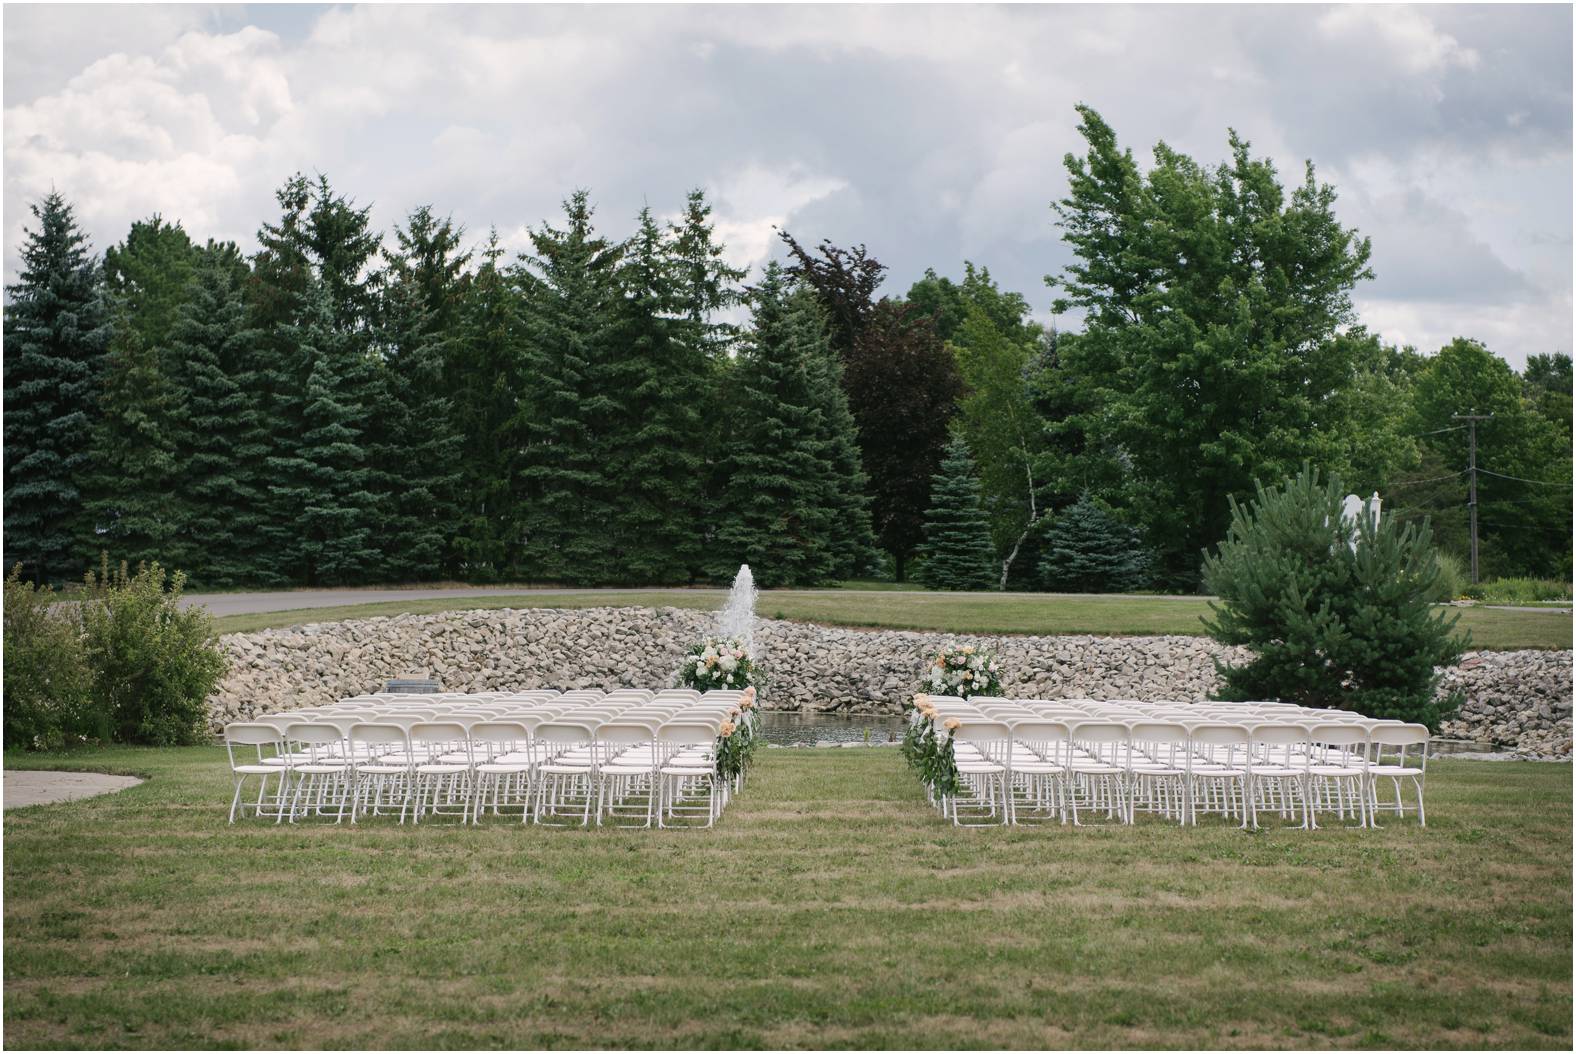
1539, 482
1431, 479
1439, 431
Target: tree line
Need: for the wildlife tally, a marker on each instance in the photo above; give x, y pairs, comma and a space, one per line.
344, 407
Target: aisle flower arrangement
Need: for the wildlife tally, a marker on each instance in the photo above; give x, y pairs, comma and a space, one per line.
963, 671
739, 739
927, 745
717, 663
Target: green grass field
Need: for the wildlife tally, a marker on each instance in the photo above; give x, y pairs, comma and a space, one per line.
830, 908
1037, 613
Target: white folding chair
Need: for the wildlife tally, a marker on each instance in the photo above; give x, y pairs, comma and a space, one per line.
270, 748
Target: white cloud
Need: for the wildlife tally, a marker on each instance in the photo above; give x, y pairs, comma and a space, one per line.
929, 133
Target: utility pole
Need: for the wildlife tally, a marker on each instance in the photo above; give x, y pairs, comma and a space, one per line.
1472, 502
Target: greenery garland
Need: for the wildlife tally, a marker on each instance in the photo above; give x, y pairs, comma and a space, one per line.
927, 746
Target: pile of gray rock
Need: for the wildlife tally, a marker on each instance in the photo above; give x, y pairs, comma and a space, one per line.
1518, 700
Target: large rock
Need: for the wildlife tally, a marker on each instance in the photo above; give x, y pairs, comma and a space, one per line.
1519, 699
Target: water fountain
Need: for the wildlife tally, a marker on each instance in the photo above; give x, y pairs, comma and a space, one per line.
736, 620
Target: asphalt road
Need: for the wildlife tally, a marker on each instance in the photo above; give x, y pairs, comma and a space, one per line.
293, 599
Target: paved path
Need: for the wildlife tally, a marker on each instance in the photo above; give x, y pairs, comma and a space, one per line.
36, 787
294, 599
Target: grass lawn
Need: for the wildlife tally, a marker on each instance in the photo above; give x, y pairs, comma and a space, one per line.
830, 908
1039, 613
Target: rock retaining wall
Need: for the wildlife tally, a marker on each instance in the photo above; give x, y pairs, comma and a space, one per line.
1517, 699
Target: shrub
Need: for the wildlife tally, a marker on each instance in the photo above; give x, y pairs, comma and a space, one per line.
1452, 578
153, 664
1337, 615
1519, 590
48, 700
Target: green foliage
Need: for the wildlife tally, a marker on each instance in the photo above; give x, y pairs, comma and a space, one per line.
902, 386
957, 551
1336, 616
57, 327
1524, 527
784, 477
1452, 578
1088, 550
153, 664
927, 747
1518, 591
48, 687
1214, 301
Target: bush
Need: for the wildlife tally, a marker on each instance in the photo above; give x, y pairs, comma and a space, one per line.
153, 665
1519, 590
1452, 578
48, 698
1337, 616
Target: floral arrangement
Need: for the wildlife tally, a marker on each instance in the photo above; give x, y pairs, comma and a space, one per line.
963, 672
739, 738
717, 663
927, 745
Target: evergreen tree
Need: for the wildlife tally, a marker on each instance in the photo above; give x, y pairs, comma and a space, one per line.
663, 372
1336, 614
57, 327
957, 550
324, 507
564, 504
1087, 550
416, 445
314, 305
219, 434
773, 509
132, 462
850, 539
487, 379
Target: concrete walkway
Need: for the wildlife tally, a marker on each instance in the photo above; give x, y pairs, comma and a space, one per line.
39, 787
296, 599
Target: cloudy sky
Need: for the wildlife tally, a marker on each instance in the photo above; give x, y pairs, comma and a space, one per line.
931, 134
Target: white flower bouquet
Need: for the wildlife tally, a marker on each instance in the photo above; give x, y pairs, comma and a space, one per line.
963, 671
717, 663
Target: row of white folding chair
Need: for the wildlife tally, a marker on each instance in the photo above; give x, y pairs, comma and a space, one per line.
314, 758
1271, 764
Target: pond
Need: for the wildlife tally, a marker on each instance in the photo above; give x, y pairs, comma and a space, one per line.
794, 729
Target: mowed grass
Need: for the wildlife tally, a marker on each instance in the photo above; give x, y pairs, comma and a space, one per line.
831, 908
1034, 613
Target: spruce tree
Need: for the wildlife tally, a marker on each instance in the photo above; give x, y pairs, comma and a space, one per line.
221, 438
1087, 550
673, 282
314, 300
957, 550
147, 277
772, 511
565, 498
57, 327
414, 436
486, 374
132, 461
850, 540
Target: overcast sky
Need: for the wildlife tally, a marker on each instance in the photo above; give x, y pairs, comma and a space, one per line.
931, 134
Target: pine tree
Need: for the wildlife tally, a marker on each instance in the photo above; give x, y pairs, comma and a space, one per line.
57, 327
486, 374
132, 464
850, 540
1336, 614
220, 436
772, 511
957, 550
314, 303
415, 441
565, 498
324, 507
1087, 550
